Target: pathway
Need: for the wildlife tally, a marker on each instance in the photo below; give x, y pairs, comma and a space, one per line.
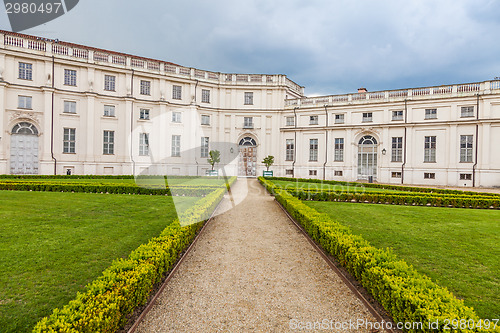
252, 271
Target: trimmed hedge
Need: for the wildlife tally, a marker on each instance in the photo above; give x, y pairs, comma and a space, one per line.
108, 301
385, 186
182, 190
436, 200
406, 294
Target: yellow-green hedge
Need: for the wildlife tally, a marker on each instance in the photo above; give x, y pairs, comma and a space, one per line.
410, 297
107, 301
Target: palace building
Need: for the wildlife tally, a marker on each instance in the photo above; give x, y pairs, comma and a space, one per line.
69, 108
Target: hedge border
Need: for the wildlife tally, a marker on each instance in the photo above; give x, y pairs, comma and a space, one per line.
406, 294
108, 301
385, 186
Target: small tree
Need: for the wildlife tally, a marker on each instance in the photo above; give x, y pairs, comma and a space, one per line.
268, 161
214, 158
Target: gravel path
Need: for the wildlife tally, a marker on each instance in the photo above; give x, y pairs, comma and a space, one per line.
252, 271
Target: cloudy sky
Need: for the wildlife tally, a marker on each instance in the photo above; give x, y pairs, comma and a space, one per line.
328, 46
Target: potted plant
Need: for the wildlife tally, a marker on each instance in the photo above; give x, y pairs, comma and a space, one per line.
268, 161
214, 158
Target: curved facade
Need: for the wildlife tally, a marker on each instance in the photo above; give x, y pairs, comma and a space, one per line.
74, 109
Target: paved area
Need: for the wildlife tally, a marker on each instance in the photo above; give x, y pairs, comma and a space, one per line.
253, 271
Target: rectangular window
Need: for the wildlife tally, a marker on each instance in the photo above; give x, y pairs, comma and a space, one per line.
25, 71
430, 149
145, 87
205, 96
397, 115
176, 92
313, 120
204, 146
290, 150
313, 150
176, 145
367, 117
466, 145
313, 172
109, 82
339, 150
397, 149
431, 114
248, 122
108, 143
467, 111
205, 119
144, 114
338, 173
429, 175
396, 174
69, 107
70, 77
69, 141
109, 110
24, 102
143, 144
339, 119
249, 98
289, 172
466, 176
176, 117
290, 121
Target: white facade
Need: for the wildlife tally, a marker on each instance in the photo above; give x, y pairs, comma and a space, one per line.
90, 111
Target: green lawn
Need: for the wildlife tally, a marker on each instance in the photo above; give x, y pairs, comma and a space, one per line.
457, 248
53, 244
141, 180
289, 185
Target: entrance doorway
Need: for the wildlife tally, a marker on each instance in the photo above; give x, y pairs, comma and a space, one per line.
247, 164
24, 149
367, 157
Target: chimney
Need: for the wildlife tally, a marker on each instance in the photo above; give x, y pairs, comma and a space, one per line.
362, 90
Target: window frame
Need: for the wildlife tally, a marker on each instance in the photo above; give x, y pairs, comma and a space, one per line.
176, 146
145, 87
205, 95
290, 121
339, 118
25, 73
176, 92
111, 109
397, 115
69, 140
397, 149
143, 144
70, 76
313, 150
108, 142
314, 120
204, 117
367, 117
67, 109
205, 147
466, 148
338, 153
144, 114
430, 144
248, 98
289, 149
431, 113
248, 122
109, 82
176, 117
467, 111
27, 102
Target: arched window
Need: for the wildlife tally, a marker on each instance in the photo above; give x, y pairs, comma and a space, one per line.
248, 141
368, 140
25, 128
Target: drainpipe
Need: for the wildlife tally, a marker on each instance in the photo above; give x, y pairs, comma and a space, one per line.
294, 141
477, 143
52, 120
132, 123
404, 147
326, 144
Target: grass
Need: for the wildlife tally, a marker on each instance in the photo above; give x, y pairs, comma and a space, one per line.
457, 248
289, 185
171, 181
53, 244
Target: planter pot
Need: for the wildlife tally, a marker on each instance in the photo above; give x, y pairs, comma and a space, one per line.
267, 174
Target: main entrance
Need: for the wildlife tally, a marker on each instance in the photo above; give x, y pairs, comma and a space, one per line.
247, 164
24, 149
367, 157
